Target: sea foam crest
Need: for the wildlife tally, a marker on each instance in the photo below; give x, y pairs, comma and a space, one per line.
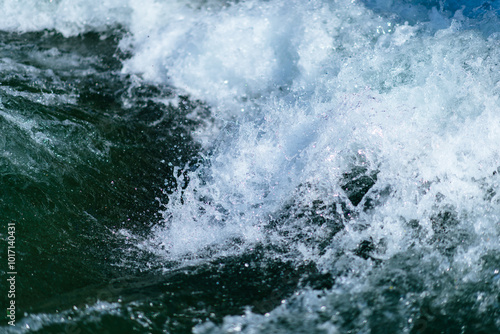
228, 54
337, 87
68, 17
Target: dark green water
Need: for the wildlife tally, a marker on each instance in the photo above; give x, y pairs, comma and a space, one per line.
78, 166
86, 152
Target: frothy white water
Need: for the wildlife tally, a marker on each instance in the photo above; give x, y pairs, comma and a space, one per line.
311, 96
66, 16
309, 91
228, 54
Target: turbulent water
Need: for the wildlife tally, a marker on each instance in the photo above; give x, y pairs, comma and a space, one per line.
212, 166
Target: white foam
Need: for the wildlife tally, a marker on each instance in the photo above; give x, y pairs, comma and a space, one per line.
305, 92
229, 54
66, 16
303, 88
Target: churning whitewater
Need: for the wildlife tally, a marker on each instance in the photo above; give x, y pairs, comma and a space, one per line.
329, 166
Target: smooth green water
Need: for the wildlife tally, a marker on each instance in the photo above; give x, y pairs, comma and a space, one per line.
76, 168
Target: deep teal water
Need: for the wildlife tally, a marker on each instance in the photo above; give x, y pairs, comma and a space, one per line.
98, 167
